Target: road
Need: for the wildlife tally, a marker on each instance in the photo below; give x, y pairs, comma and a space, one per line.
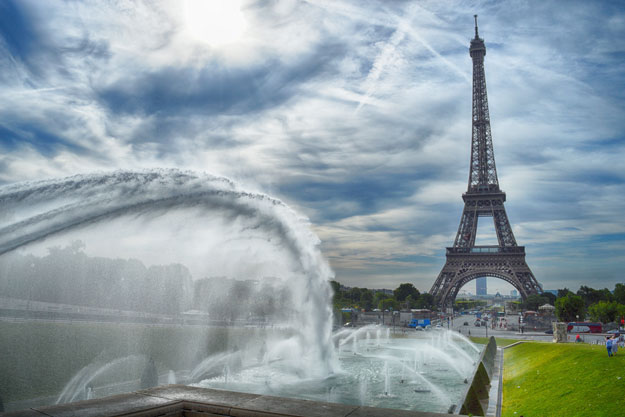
457, 324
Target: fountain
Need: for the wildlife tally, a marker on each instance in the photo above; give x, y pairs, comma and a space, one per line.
233, 279
171, 377
425, 371
167, 247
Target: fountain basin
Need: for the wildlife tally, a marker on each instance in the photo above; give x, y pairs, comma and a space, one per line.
423, 372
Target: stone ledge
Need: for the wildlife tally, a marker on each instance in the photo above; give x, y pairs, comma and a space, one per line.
184, 401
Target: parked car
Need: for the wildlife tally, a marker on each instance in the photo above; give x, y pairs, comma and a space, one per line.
466, 323
477, 323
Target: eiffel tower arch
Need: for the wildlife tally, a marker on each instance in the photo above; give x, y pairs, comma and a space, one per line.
466, 261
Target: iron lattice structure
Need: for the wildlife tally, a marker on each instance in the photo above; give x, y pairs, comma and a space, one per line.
465, 261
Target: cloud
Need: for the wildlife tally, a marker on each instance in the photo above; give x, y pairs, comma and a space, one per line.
356, 113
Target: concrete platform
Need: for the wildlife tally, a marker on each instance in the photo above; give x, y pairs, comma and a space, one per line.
184, 401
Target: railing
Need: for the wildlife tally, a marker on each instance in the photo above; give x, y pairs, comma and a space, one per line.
487, 250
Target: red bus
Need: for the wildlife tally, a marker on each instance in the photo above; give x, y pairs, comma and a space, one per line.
584, 327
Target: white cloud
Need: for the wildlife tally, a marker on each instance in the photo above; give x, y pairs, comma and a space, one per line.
119, 85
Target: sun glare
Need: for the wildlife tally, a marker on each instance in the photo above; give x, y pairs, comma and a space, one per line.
216, 22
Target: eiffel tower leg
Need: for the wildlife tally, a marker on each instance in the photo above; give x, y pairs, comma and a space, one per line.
444, 281
526, 279
502, 227
465, 237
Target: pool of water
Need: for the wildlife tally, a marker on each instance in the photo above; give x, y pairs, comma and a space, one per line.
424, 372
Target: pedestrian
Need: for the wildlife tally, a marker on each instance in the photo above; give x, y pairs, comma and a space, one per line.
578, 339
614, 345
608, 345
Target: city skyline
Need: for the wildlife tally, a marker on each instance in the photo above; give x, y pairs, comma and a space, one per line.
356, 114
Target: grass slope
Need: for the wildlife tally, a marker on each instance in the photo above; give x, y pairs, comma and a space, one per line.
499, 340
545, 379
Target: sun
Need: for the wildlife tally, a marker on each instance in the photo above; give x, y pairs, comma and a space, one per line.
216, 22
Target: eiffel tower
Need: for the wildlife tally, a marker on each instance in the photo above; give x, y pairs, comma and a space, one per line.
465, 260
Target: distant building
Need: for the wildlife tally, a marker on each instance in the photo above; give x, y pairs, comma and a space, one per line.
514, 293
554, 292
480, 286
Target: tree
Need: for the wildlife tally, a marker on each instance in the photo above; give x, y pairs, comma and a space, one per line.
606, 295
404, 290
366, 299
410, 302
378, 296
468, 304
533, 301
354, 295
425, 300
569, 307
550, 297
592, 296
337, 298
388, 304
619, 293
563, 292
604, 311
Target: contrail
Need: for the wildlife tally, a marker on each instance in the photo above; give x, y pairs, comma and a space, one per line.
384, 57
414, 34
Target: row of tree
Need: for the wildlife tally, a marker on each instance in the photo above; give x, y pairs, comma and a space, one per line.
597, 304
406, 296
67, 275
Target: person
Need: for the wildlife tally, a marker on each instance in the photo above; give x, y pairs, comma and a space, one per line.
614, 345
608, 345
578, 339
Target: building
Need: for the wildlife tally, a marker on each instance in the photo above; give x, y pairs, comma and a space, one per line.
480, 286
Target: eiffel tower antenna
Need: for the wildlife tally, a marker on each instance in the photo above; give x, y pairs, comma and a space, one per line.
466, 261
476, 35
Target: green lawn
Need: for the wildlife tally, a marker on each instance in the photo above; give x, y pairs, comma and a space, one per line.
499, 340
547, 379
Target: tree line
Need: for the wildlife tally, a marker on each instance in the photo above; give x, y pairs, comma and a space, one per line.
404, 297
604, 306
600, 305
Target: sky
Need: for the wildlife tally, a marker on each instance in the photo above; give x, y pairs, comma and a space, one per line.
357, 114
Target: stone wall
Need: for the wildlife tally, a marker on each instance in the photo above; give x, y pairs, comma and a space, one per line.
184, 401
